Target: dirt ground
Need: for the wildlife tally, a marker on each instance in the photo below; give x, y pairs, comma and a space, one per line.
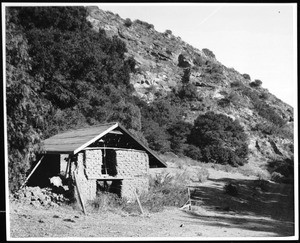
266, 211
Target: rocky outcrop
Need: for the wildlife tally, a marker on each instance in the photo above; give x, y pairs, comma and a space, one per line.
161, 61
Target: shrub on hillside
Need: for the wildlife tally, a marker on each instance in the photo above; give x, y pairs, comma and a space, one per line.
264, 96
246, 76
188, 92
220, 138
256, 83
267, 112
127, 22
178, 136
236, 84
193, 152
198, 60
276, 177
147, 25
208, 53
224, 102
168, 32
231, 189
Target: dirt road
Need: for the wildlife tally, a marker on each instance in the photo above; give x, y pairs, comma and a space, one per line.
253, 213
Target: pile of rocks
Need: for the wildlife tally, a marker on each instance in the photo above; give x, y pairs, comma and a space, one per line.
40, 196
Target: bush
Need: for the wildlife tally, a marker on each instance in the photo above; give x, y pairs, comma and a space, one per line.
107, 201
224, 102
246, 76
267, 112
168, 32
188, 92
208, 53
222, 155
128, 22
198, 60
147, 25
231, 189
202, 174
165, 190
256, 83
236, 84
193, 152
264, 96
220, 138
276, 177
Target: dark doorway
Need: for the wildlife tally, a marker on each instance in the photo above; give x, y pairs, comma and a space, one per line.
49, 167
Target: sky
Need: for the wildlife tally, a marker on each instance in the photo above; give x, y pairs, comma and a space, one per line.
257, 39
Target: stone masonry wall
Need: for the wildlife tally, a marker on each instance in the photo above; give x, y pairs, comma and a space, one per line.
88, 187
132, 163
138, 184
134, 167
93, 163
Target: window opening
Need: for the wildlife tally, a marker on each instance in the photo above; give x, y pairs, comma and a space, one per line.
104, 167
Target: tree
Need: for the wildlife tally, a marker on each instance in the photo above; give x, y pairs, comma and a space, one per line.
178, 136
156, 136
57, 77
220, 138
24, 107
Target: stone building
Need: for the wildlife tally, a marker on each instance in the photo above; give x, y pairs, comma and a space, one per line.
103, 157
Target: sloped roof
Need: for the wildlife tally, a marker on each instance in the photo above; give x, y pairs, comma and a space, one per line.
73, 141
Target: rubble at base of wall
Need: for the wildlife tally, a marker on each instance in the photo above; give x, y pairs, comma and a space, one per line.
38, 197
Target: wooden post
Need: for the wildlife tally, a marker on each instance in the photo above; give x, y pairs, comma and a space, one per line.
67, 168
190, 202
38, 163
138, 200
79, 194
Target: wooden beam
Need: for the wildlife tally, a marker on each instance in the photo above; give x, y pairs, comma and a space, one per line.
79, 194
89, 148
138, 200
67, 168
38, 163
116, 132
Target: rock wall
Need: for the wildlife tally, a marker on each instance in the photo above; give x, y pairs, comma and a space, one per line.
134, 167
87, 187
131, 163
93, 163
138, 184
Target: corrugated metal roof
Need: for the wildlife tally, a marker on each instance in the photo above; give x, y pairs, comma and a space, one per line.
71, 142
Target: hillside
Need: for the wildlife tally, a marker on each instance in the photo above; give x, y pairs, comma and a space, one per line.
163, 61
71, 67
